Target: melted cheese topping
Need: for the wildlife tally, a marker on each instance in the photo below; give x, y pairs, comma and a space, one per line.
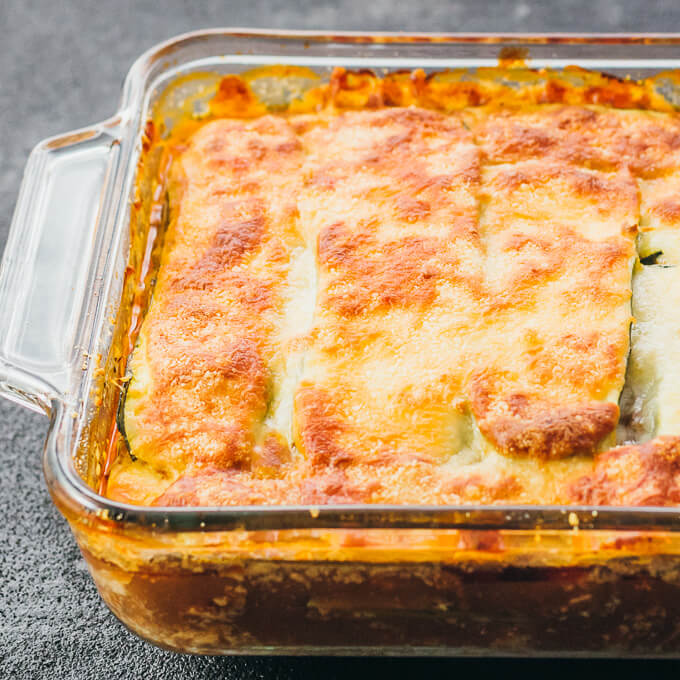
402, 305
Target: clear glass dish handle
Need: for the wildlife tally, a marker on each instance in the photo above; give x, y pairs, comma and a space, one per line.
48, 261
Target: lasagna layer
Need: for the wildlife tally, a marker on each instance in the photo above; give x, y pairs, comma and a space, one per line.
404, 304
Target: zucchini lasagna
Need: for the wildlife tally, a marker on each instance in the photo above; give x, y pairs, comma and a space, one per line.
413, 290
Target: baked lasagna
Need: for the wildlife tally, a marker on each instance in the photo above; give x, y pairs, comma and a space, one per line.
414, 290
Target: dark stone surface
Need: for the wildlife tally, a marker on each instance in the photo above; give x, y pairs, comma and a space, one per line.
62, 67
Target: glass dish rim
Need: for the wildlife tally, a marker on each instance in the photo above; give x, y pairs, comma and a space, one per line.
66, 484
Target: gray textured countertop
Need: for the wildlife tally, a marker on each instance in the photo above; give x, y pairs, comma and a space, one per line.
62, 67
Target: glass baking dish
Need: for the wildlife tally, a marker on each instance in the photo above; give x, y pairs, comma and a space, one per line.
357, 579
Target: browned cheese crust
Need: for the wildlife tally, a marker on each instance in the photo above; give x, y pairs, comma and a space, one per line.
646, 474
386, 299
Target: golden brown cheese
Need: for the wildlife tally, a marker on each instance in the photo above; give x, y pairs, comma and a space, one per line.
645, 142
646, 474
216, 335
398, 304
